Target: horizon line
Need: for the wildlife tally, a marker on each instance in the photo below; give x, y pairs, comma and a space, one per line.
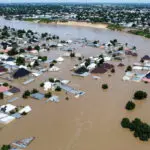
75, 2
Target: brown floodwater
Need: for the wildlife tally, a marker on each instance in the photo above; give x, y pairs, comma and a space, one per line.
92, 121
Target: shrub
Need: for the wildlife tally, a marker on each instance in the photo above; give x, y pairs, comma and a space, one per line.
130, 105
58, 88
104, 86
139, 95
48, 95
125, 123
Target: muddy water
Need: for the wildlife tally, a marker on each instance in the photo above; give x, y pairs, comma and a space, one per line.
91, 122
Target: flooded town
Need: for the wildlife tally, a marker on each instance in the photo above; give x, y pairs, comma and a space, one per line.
79, 84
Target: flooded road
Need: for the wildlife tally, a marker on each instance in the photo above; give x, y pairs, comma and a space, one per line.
91, 122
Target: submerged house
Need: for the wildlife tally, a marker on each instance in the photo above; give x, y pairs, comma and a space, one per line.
21, 72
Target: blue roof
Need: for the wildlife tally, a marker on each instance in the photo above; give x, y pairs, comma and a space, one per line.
37, 96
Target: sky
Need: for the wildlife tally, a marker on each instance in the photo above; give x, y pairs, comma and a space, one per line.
89, 1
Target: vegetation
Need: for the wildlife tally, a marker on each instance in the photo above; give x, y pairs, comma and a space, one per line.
20, 61
58, 88
51, 80
26, 94
104, 86
42, 84
48, 95
140, 95
139, 128
130, 105
115, 27
72, 54
1, 95
145, 32
129, 68
5, 147
34, 91
5, 84
81, 70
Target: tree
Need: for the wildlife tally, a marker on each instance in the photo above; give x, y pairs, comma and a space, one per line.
20, 61
5, 84
104, 86
112, 70
72, 54
12, 52
125, 123
26, 94
34, 91
58, 88
5, 147
130, 105
140, 95
36, 63
48, 95
29, 48
1, 95
51, 80
37, 47
42, 84
129, 68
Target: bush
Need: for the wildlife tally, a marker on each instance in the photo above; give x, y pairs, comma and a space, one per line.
139, 95
48, 95
125, 123
104, 86
58, 88
130, 105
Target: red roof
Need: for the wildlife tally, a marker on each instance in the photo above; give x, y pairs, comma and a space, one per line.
3, 89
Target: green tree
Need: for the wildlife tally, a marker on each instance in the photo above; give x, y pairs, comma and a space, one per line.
130, 105
1, 95
139, 95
